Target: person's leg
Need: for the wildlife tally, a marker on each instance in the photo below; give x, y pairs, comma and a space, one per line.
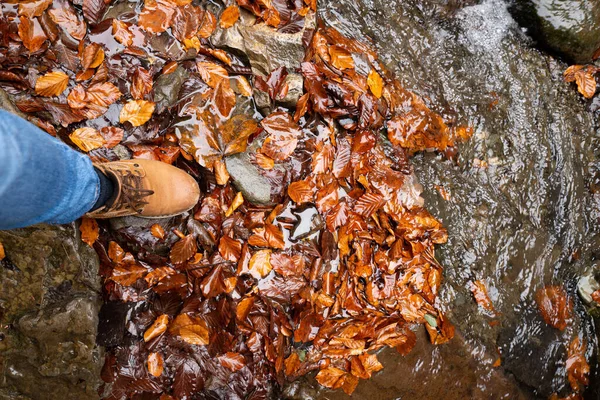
41, 178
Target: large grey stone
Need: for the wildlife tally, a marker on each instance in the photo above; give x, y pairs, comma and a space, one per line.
49, 306
567, 27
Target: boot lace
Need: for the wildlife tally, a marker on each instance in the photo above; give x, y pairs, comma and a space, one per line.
132, 193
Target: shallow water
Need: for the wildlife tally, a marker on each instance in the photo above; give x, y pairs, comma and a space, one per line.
520, 214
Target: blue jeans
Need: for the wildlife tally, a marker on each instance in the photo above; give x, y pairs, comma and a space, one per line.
41, 178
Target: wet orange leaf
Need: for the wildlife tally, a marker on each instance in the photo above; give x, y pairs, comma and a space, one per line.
92, 56
340, 57
336, 378
211, 73
157, 231
155, 364
2, 252
158, 327
264, 162
141, 83
230, 249
112, 136
87, 139
136, 112
183, 250
127, 273
33, 9
237, 201
89, 230
577, 366
555, 306
192, 330
31, 33
586, 83
232, 361
66, 18
121, 32
115, 252
52, 84
260, 263
283, 136
229, 16
375, 83
158, 274
481, 296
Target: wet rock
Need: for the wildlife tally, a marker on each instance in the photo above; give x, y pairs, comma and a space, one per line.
570, 28
49, 315
248, 180
518, 213
166, 88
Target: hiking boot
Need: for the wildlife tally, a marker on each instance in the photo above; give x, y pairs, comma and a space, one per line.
148, 189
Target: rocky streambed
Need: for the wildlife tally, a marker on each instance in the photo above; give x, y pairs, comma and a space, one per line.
517, 200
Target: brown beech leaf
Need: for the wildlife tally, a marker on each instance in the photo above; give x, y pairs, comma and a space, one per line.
158, 274
338, 216
260, 263
192, 330
244, 307
52, 84
208, 24
243, 86
31, 33
229, 16
89, 230
155, 364
103, 94
235, 133
364, 365
570, 72
157, 231
93, 10
481, 296
368, 203
264, 162
156, 16
127, 273
33, 9
112, 136
223, 98
555, 306
232, 361
141, 83
87, 139
237, 202
65, 17
577, 366
221, 173
211, 73
158, 327
586, 83
336, 378
92, 56
121, 32
183, 250
2, 252
375, 83
283, 135
137, 112
322, 158
340, 57
269, 236
230, 249
115, 252
186, 22
442, 332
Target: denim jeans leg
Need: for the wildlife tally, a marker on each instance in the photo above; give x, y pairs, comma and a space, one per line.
41, 178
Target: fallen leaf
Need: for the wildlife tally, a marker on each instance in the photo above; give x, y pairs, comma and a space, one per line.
89, 230
158, 327
87, 139
2, 252
237, 201
155, 364
260, 263
183, 250
554, 305
115, 252
340, 57
136, 112
112, 136
141, 83
92, 56
586, 83
577, 366
157, 231
121, 32
375, 83
65, 17
232, 361
229, 16
33, 9
127, 274
31, 33
52, 84
211, 73
283, 136
481, 296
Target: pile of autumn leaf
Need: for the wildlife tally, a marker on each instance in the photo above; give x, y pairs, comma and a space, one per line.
229, 303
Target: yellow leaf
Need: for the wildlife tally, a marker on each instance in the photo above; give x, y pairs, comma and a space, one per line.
260, 263
243, 86
51, 84
221, 174
89, 230
237, 201
375, 83
229, 16
157, 231
87, 139
137, 112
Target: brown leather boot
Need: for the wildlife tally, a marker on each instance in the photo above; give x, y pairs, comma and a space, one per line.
146, 188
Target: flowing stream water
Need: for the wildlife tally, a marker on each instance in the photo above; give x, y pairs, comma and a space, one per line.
520, 212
